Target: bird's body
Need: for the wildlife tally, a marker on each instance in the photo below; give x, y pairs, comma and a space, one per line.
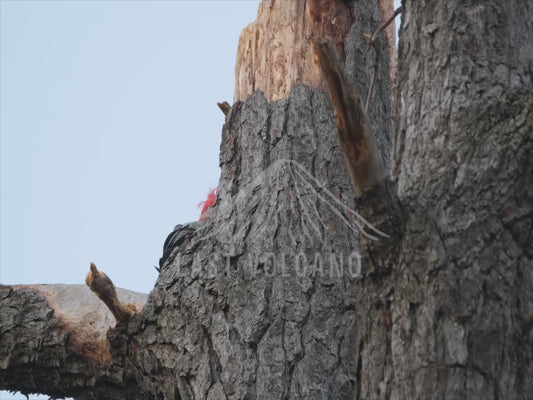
180, 235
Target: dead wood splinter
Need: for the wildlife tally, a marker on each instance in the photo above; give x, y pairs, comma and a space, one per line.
358, 144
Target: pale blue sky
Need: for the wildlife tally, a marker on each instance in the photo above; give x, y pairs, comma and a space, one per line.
109, 130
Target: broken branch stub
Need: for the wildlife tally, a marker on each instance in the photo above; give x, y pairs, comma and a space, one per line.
360, 151
104, 288
384, 25
225, 107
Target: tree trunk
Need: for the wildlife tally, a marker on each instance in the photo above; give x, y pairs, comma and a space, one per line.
463, 288
286, 292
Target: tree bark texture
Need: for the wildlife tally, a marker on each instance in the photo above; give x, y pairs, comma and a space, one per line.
265, 299
463, 286
53, 340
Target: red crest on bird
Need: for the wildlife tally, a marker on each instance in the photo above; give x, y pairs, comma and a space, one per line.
207, 204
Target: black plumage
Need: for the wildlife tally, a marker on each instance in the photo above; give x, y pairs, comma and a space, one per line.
179, 236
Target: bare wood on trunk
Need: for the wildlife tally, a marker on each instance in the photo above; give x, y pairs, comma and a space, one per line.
275, 53
360, 151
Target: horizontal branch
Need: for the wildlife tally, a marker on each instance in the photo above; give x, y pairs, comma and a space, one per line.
54, 336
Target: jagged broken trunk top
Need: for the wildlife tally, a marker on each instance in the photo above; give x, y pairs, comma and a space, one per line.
276, 53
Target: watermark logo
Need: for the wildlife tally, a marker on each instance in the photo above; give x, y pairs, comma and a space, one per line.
284, 215
287, 187
269, 264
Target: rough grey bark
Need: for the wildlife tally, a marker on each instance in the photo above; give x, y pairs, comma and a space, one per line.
462, 291
251, 329
442, 309
53, 340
